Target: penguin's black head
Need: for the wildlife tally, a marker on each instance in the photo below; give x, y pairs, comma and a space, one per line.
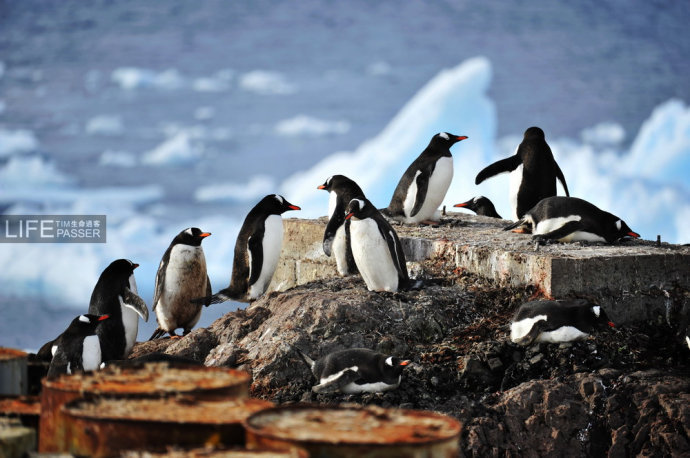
328, 184
358, 208
393, 365
337, 182
192, 236
534, 133
622, 230
273, 204
121, 268
85, 324
446, 139
598, 317
474, 203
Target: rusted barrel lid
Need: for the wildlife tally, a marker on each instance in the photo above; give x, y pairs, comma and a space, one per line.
216, 453
11, 353
107, 426
153, 379
22, 405
147, 380
351, 430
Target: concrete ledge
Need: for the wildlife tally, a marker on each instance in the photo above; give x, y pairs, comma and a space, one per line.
634, 278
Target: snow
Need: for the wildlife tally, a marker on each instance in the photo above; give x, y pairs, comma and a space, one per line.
266, 83
307, 125
104, 125
27, 172
130, 78
180, 149
257, 187
16, 142
604, 134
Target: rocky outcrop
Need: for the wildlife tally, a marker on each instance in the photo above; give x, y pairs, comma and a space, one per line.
620, 392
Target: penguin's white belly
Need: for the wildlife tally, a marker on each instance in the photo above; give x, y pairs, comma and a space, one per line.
519, 329
272, 244
562, 334
438, 185
376, 387
91, 353
185, 279
130, 318
339, 250
332, 202
515, 183
372, 256
551, 224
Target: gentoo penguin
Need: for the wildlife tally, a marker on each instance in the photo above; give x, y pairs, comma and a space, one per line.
77, 349
569, 219
181, 277
480, 205
533, 172
556, 321
336, 239
257, 251
115, 294
357, 370
425, 182
376, 248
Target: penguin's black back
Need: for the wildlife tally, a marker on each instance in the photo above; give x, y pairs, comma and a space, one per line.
539, 170
71, 343
371, 365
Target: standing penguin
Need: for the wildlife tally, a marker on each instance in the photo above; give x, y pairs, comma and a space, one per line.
556, 321
480, 205
115, 294
181, 277
257, 251
356, 370
336, 239
533, 172
424, 184
77, 349
569, 219
376, 248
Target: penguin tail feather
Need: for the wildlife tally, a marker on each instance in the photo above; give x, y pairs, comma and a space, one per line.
517, 223
219, 297
305, 358
156, 334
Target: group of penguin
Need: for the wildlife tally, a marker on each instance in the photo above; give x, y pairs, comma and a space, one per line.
362, 240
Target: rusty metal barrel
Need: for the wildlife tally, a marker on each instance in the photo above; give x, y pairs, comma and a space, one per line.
217, 453
136, 381
349, 431
13, 372
107, 427
25, 408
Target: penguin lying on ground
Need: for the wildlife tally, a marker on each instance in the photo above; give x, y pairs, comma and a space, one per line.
181, 277
569, 219
336, 239
481, 206
556, 321
78, 349
115, 294
533, 172
424, 184
356, 370
257, 251
376, 248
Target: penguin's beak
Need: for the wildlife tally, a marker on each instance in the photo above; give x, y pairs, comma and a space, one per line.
460, 138
634, 234
135, 266
349, 215
610, 323
405, 363
464, 204
321, 187
294, 207
204, 234
103, 317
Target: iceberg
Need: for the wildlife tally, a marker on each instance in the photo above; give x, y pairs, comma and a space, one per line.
16, 142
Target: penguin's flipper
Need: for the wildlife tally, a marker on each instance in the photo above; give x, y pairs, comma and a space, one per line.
517, 223
133, 301
209, 292
561, 178
397, 255
46, 351
537, 328
422, 185
256, 258
158, 287
58, 366
567, 229
332, 227
335, 382
504, 165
